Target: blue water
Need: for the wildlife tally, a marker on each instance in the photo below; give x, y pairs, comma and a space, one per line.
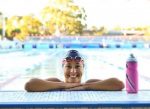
19, 66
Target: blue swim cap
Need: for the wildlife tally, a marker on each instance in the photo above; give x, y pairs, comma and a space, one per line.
73, 53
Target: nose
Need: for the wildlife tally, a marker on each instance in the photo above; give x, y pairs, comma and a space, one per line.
73, 71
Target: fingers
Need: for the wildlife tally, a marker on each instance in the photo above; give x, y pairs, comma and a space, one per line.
72, 85
75, 88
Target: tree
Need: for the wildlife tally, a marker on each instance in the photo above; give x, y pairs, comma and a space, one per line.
21, 27
64, 16
30, 24
11, 25
98, 31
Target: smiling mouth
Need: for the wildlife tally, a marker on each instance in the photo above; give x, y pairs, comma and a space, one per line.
73, 76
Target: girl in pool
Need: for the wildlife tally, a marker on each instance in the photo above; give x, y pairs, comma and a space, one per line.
73, 66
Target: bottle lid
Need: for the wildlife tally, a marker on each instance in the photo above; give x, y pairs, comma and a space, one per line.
132, 58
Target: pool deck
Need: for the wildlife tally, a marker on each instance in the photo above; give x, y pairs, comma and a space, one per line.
73, 99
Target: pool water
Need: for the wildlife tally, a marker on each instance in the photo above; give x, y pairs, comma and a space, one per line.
16, 68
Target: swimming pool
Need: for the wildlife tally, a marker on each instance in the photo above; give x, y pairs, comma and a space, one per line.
19, 66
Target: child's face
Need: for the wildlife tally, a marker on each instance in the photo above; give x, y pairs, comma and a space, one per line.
73, 71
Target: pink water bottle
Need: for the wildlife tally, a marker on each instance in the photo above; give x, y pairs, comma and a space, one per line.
131, 74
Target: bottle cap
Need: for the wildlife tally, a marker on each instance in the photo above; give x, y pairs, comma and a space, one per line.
132, 58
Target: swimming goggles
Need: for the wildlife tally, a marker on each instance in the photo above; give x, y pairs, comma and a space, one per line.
76, 59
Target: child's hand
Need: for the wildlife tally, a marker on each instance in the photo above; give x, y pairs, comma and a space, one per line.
76, 88
71, 85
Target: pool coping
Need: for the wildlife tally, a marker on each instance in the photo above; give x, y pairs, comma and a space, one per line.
64, 99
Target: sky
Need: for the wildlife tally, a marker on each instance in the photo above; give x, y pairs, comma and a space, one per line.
107, 13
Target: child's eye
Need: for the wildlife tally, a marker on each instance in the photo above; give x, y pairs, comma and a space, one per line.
68, 66
77, 66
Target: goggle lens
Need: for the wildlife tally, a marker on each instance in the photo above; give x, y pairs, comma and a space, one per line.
69, 59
